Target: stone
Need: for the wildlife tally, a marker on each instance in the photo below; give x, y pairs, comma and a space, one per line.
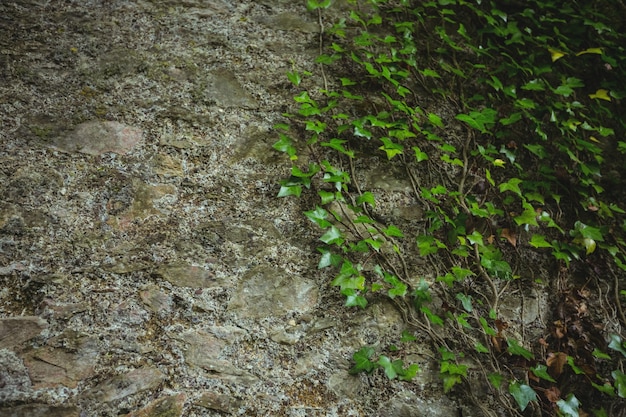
270, 292
156, 300
98, 137
16, 330
219, 402
124, 385
65, 360
226, 91
40, 410
344, 385
168, 406
187, 275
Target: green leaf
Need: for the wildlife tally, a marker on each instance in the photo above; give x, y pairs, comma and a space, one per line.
388, 367
541, 371
449, 381
620, 382
407, 336
512, 185
539, 241
366, 197
290, 190
597, 353
409, 373
362, 360
616, 344
435, 120
318, 216
577, 370
495, 379
419, 155
353, 298
606, 388
393, 231
569, 407
328, 258
466, 300
522, 393
332, 236
480, 348
515, 349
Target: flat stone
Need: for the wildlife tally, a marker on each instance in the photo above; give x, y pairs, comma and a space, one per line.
187, 275
124, 385
266, 291
344, 385
169, 406
40, 410
226, 91
65, 360
98, 137
16, 330
156, 300
219, 402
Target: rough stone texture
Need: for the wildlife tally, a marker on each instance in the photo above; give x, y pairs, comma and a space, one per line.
15, 330
146, 266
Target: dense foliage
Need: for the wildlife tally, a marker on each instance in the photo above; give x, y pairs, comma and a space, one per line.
506, 120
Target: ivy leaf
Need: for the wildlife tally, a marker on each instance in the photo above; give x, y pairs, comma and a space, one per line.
354, 299
495, 379
318, 216
466, 300
515, 349
620, 382
569, 407
616, 344
366, 197
601, 94
409, 373
407, 337
388, 367
522, 393
393, 231
539, 241
362, 360
541, 371
332, 235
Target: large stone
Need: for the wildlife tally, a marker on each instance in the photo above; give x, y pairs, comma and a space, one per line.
267, 291
15, 330
124, 385
187, 275
97, 137
66, 360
